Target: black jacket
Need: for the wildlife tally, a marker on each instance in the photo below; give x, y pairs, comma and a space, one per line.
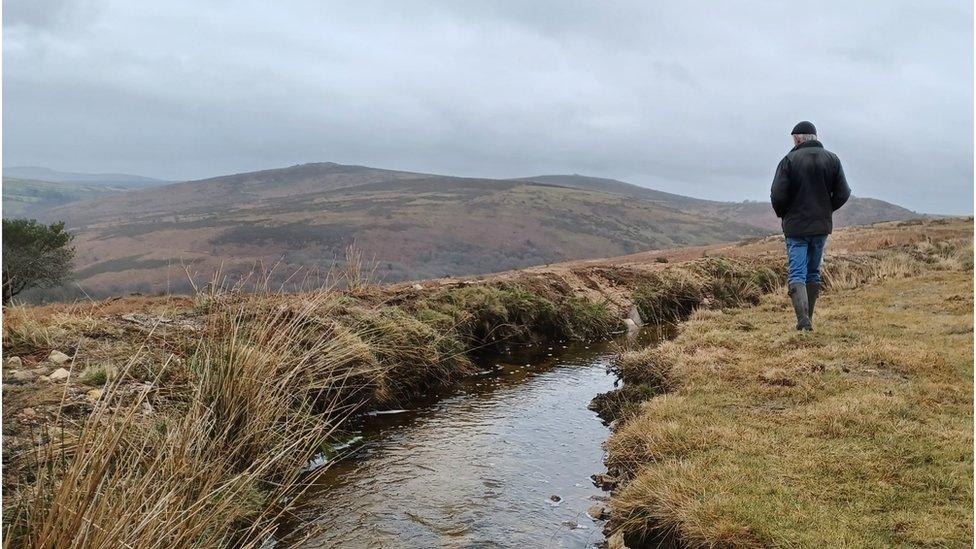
808, 188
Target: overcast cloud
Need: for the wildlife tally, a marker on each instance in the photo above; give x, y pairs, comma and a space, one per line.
690, 97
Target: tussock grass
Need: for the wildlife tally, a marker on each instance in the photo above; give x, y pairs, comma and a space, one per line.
409, 352
858, 434
507, 312
217, 467
849, 272
651, 366
97, 375
675, 292
24, 333
673, 295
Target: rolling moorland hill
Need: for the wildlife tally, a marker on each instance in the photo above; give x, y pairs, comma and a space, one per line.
29, 191
412, 225
858, 211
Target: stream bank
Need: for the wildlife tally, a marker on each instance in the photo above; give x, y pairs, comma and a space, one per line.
742, 432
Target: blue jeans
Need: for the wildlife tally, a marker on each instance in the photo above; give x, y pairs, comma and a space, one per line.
804, 254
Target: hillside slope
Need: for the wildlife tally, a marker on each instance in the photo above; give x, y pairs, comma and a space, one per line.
858, 210
31, 191
31, 197
414, 225
411, 225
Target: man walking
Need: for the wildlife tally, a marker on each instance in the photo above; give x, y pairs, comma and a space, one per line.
808, 188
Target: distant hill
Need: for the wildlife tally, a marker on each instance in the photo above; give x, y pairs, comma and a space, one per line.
29, 191
614, 186
47, 174
30, 198
414, 225
858, 211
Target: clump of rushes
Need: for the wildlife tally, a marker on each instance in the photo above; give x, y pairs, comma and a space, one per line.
733, 283
482, 314
489, 313
675, 292
217, 468
97, 375
585, 320
23, 333
646, 373
414, 353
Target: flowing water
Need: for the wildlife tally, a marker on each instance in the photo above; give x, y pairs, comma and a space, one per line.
481, 464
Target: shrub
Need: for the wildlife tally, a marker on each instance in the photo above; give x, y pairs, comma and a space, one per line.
34, 255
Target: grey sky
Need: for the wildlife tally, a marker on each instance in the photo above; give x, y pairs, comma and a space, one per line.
690, 97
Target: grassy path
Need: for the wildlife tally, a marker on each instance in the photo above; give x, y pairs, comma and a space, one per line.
858, 434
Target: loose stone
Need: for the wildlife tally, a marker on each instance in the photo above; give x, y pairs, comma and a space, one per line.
58, 357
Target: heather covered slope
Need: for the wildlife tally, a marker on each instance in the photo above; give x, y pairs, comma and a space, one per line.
413, 225
857, 211
217, 195
301, 219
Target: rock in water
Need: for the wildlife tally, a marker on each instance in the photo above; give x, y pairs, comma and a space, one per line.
634, 315
604, 480
598, 512
58, 357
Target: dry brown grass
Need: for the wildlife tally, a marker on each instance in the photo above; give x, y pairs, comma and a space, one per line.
858, 434
217, 465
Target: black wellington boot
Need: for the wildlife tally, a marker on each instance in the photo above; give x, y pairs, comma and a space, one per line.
813, 292
798, 294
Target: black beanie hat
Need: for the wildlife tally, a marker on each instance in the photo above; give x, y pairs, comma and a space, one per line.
804, 128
